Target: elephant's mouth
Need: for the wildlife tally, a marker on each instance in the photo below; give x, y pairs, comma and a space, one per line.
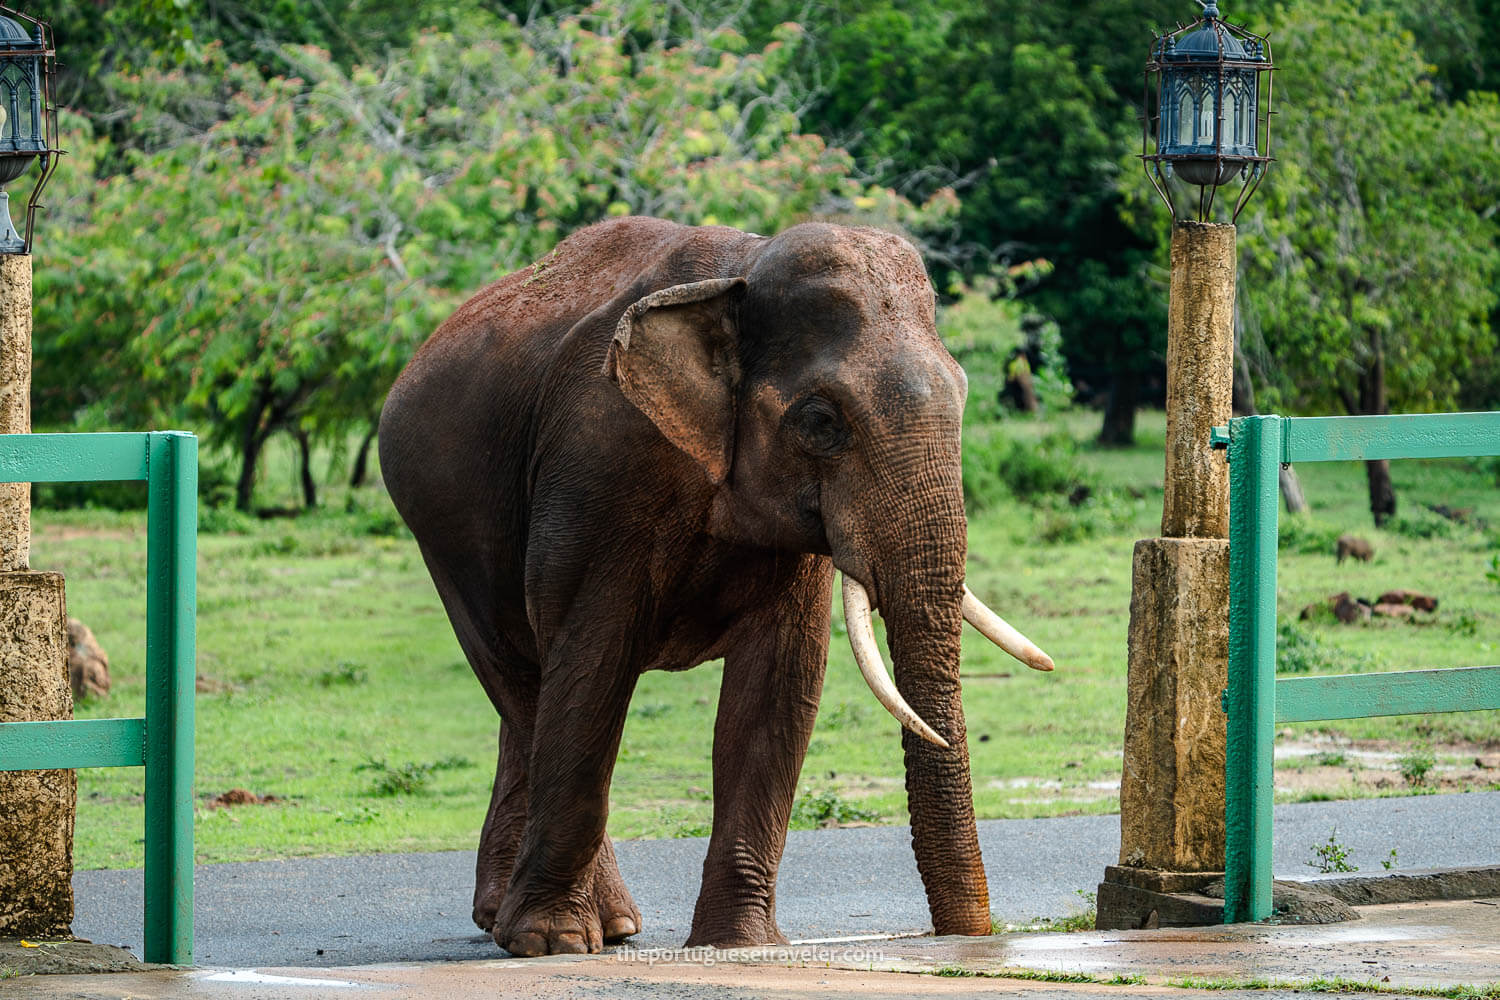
872, 667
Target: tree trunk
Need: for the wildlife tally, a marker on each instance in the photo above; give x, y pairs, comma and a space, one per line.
244, 489
1243, 396
1372, 401
309, 487
1291, 490
1119, 412
252, 439
1382, 491
362, 457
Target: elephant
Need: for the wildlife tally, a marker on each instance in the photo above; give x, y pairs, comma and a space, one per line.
653, 448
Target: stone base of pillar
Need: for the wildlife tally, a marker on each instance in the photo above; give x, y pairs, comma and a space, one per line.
36, 807
1172, 783
1133, 898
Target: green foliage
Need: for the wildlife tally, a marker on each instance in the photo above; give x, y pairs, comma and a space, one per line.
250, 275
1000, 466
1332, 856
410, 778
1304, 533
1421, 524
346, 674
819, 808
1298, 652
1368, 258
1416, 764
1493, 573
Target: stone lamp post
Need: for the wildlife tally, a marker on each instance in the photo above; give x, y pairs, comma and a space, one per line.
1208, 98
36, 807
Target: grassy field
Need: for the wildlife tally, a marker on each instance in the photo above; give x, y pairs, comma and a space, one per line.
331, 680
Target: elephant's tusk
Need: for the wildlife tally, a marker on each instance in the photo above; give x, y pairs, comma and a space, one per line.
1002, 634
867, 655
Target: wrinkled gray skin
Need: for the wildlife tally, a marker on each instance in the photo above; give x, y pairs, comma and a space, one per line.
652, 449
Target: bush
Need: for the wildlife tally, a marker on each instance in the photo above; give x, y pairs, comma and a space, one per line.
1421, 525
1302, 533
998, 466
1297, 652
815, 809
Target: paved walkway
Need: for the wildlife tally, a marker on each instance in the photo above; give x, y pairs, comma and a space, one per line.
834, 883
1391, 949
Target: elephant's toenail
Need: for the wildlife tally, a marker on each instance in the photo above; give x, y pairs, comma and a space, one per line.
526, 945
619, 928
570, 944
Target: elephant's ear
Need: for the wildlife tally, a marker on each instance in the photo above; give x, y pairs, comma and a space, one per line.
675, 355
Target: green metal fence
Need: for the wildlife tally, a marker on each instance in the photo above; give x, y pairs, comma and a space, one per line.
162, 741
1255, 700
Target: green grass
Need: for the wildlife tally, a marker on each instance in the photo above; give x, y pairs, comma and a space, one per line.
336, 684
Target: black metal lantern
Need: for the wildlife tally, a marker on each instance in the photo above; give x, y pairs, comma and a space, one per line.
28, 120
1208, 121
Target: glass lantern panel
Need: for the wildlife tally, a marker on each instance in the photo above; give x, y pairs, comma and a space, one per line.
1205, 112
16, 101
1246, 127
25, 120
1184, 117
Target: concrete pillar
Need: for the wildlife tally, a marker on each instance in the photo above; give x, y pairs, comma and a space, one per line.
15, 402
1172, 783
36, 807
1200, 379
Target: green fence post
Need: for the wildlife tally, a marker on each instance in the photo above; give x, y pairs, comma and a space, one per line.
171, 553
1254, 465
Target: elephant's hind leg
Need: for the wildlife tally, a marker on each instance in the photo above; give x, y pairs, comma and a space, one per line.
618, 915
552, 904
501, 836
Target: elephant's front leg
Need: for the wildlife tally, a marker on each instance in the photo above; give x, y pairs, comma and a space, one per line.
773, 677
551, 902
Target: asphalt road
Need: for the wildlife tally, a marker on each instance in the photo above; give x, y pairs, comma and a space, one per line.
834, 883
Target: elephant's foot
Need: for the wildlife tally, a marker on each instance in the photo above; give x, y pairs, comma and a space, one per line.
565, 926
487, 900
618, 915
743, 930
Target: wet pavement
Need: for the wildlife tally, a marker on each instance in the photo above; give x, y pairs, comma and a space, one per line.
325, 912
398, 926
1449, 945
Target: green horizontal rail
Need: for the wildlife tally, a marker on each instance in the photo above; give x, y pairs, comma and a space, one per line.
73, 458
70, 743
1420, 435
1403, 692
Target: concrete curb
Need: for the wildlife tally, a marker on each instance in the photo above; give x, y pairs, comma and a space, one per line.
1415, 886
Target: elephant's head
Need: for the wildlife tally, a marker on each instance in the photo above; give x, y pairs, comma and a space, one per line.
815, 392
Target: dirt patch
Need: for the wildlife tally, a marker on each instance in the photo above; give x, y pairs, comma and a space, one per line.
240, 797
65, 533
207, 684
1314, 765
61, 957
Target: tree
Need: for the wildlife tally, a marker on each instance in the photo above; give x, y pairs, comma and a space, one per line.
280, 244
1023, 106
1369, 258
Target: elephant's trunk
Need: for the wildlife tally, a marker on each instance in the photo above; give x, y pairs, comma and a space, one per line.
919, 578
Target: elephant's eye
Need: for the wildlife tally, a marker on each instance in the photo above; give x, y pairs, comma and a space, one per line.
819, 425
